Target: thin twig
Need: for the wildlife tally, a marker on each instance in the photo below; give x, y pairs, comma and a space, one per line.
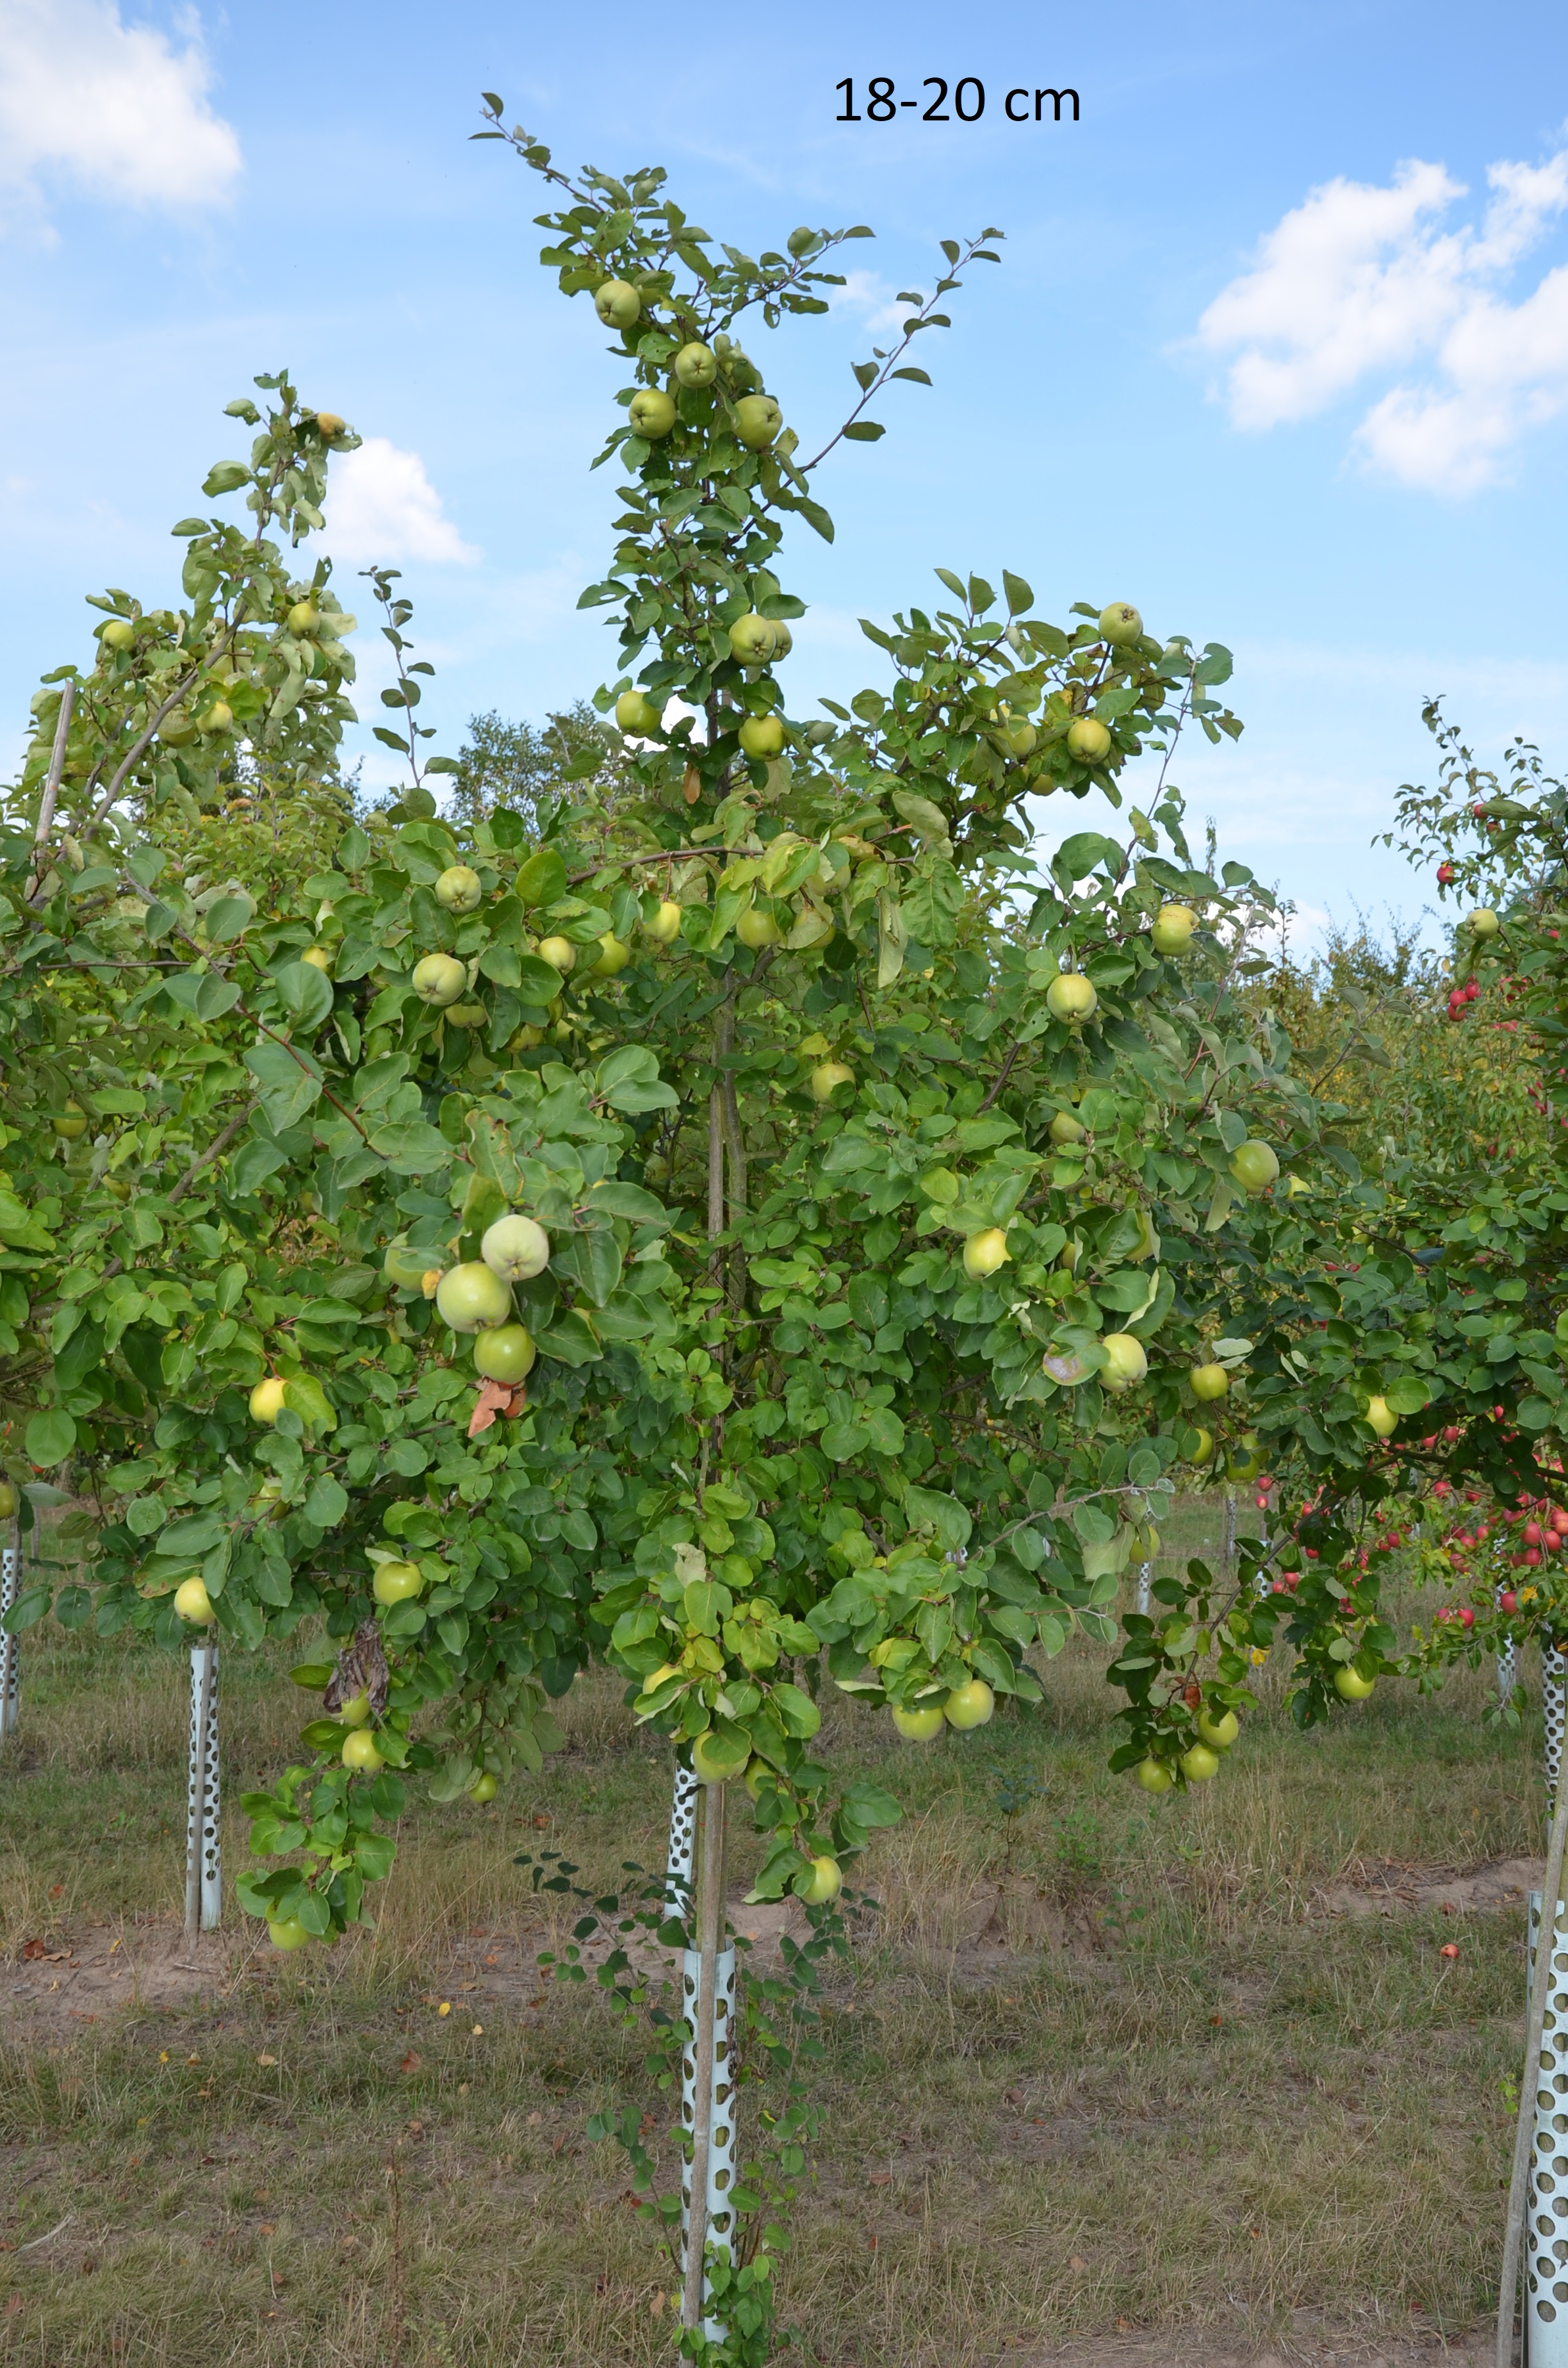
52, 789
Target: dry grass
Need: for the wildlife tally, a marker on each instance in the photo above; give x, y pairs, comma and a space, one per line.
1156, 2089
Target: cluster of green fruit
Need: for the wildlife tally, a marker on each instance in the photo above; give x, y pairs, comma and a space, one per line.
1200, 1760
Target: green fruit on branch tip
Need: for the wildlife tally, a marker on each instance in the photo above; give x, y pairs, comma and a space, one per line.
752, 639
71, 1123
440, 979
396, 1582
1088, 740
119, 634
1204, 1449
193, 1603
616, 304
177, 731
484, 1788
472, 1297
285, 1933
1484, 923
460, 889
7, 1501
516, 1248
560, 953
1021, 739
1126, 1362
303, 618
466, 1014
826, 1079
1174, 926
1200, 1763
762, 737
664, 927
329, 425
968, 1705
360, 1754
1247, 1465
1154, 1775
712, 1761
1208, 1382
1255, 1166
651, 413
267, 1399
758, 421
1070, 997
1220, 1733
505, 1352
921, 1723
318, 957
636, 714
613, 958
1121, 624
824, 1882
218, 717
1351, 1686
1065, 1128
697, 364
403, 1267
356, 1712
756, 926
985, 1252
758, 1774
1382, 1417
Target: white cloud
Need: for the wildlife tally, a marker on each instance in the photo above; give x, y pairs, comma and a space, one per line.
111, 107
381, 507
1361, 281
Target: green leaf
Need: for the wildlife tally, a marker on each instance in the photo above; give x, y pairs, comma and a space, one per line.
49, 1439
1019, 596
230, 917
305, 994
864, 431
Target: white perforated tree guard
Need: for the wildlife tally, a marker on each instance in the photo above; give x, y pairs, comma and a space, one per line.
721, 2119
683, 1841
1145, 1580
10, 1646
1546, 2222
203, 1848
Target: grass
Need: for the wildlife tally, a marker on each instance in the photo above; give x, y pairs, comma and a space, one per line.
1158, 2092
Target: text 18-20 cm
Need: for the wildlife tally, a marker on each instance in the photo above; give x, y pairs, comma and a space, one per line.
967, 102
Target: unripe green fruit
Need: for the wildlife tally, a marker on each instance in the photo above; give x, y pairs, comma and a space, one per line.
827, 1076
636, 714
177, 731
664, 927
783, 639
560, 953
762, 735
470, 1297
711, 1763
1154, 1775
1255, 1166
1126, 1363
119, 634
267, 1399
1205, 1447
968, 1705
1220, 1733
286, 1932
303, 618
360, 1754
516, 1248
1088, 740
752, 639
318, 957
356, 1712
7, 1501
618, 304
1172, 932
1121, 624
651, 413
438, 980
460, 889
1483, 922
697, 364
71, 1123
1209, 1380
397, 1582
1065, 1128
218, 717
613, 958
403, 1267
756, 927
1351, 1686
921, 1723
758, 421
985, 1252
484, 1788
505, 1354
1070, 997
193, 1603
824, 1882
1382, 1417
1200, 1763
329, 423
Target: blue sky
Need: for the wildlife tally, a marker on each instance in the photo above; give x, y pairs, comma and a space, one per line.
1277, 349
